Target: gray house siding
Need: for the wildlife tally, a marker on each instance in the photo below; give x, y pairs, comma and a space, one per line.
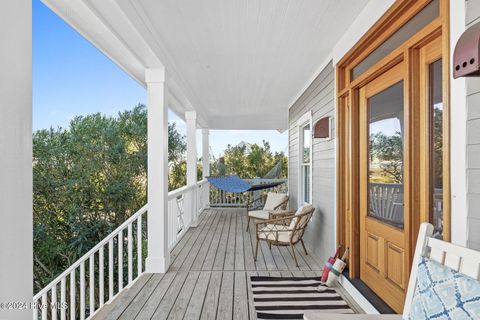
319, 98
473, 141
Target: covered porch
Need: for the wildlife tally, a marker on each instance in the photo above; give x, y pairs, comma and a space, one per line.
254, 65
241, 70
209, 275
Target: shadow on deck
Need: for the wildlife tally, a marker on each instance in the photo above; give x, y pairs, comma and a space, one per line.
209, 274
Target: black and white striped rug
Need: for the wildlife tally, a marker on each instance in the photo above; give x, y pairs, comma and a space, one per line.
289, 298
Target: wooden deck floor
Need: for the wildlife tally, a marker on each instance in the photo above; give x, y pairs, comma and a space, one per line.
209, 274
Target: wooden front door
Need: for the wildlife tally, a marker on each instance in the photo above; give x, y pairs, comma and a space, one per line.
383, 178
393, 129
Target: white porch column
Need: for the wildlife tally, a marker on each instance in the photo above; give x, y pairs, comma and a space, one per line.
16, 236
191, 120
206, 166
158, 258
206, 152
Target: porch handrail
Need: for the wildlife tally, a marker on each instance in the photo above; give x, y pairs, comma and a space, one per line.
177, 192
50, 304
220, 198
46, 300
181, 190
92, 251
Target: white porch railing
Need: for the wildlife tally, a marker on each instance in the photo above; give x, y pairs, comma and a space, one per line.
220, 198
102, 273
179, 218
115, 262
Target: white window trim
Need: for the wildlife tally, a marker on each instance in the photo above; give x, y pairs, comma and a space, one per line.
304, 120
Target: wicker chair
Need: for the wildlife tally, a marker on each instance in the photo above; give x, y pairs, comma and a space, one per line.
286, 230
264, 208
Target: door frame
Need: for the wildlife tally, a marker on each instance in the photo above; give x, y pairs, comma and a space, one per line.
347, 98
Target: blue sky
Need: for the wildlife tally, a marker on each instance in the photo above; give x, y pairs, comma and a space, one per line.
71, 77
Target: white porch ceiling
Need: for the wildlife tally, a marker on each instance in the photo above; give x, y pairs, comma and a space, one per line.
239, 63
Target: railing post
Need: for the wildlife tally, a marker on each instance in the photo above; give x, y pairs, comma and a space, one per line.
256, 194
158, 258
191, 208
206, 165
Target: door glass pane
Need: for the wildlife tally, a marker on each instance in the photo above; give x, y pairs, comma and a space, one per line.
436, 146
420, 20
306, 137
385, 156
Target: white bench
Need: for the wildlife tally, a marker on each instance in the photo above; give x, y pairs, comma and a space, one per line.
464, 260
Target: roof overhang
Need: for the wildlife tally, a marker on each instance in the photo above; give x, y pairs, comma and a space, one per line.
239, 64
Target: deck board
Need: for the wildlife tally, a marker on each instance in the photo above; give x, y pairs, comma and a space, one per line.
225, 301
222, 246
239, 250
209, 277
210, 305
197, 245
154, 299
131, 294
181, 303
194, 309
202, 253
229, 263
240, 297
213, 248
168, 300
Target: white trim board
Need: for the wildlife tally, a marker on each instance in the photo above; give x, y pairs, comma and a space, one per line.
458, 135
304, 120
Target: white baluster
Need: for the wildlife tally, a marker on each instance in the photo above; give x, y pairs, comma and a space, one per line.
73, 289
63, 297
101, 277
139, 245
35, 310
130, 253
110, 269
53, 303
120, 260
50, 298
82, 290
91, 269
44, 306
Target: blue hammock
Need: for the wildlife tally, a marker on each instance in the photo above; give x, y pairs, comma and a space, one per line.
233, 183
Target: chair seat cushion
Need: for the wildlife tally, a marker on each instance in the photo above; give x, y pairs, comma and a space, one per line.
274, 200
269, 233
443, 293
259, 214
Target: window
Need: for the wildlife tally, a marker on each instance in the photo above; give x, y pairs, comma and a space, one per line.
414, 25
305, 183
435, 110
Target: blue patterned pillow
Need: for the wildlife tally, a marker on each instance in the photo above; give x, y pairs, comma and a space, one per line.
443, 293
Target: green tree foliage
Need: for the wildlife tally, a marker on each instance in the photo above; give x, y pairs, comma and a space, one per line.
177, 175
88, 179
177, 145
249, 161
